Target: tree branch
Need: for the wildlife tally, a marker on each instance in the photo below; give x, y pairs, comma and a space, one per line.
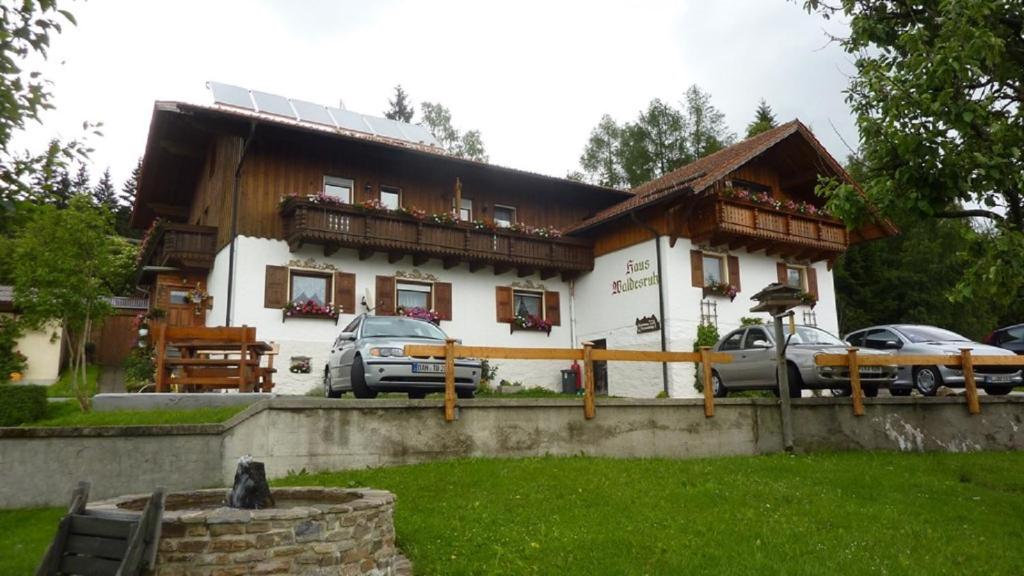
976, 213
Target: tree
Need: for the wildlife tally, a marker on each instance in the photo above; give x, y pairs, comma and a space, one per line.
104, 194
66, 263
400, 109
438, 120
705, 124
601, 160
81, 184
937, 98
764, 120
655, 144
126, 201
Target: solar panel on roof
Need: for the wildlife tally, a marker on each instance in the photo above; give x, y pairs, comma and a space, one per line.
273, 104
417, 133
230, 95
385, 127
311, 112
350, 120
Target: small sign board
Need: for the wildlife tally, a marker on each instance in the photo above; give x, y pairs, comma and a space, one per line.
647, 324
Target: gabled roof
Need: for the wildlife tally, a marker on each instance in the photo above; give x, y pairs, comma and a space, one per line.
698, 176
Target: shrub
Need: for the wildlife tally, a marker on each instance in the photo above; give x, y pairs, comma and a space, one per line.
11, 361
707, 335
20, 403
139, 369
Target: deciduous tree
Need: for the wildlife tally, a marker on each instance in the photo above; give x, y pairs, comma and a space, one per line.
438, 120
602, 157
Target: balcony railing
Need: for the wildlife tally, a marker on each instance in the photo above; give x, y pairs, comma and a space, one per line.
339, 225
741, 223
180, 246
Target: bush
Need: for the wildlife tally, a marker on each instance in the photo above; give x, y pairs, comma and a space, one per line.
20, 403
11, 361
707, 335
139, 369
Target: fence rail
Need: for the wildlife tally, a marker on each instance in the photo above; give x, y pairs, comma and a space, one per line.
588, 354
966, 361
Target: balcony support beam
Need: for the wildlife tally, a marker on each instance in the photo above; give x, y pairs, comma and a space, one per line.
449, 263
394, 257
419, 259
365, 253
546, 273
330, 248
500, 269
476, 265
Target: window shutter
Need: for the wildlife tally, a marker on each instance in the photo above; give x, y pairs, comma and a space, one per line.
385, 296
275, 290
734, 272
345, 292
552, 309
812, 282
503, 303
443, 300
781, 268
697, 268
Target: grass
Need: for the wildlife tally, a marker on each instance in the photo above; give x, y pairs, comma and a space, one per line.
850, 513
68, 414
62, 387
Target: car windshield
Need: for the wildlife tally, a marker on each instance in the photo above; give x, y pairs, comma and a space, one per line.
398, 327
919, 334
810, 336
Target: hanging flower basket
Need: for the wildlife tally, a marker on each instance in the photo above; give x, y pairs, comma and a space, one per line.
420, 314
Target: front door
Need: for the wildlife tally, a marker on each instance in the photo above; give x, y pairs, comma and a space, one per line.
175, 297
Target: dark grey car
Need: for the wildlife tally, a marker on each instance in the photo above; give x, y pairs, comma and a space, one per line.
368, 357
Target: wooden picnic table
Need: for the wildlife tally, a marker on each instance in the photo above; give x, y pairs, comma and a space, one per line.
214, 358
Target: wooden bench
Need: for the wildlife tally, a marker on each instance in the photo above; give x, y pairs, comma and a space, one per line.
238, 364
108, 543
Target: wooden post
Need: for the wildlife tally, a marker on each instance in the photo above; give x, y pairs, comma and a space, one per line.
449, 380
161, 352
970, 385
709, 385
458, 198
588, 380
855, 390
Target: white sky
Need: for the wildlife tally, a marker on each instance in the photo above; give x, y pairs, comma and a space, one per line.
533, 77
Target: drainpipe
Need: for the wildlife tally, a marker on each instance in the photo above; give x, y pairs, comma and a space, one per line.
234, 222
661, 296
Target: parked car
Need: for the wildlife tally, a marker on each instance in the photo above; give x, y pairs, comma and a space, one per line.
920, 339
754, 363
1010, 337
368, 357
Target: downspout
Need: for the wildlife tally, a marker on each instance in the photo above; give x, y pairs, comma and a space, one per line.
661, 296
234, 222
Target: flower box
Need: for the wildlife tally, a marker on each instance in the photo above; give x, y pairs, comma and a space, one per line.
530, 324
721, 289
310, 309
420, 314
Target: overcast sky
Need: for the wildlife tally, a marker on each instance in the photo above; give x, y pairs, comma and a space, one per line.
533, 77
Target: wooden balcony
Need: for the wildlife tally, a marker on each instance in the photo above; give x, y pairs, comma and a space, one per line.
182, 246
738, 223
337, 226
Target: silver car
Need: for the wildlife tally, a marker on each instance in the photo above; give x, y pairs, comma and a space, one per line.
368, 357
919, 339
754, 363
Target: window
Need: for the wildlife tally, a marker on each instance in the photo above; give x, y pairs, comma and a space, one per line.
390, 197
810, 318
414, 295
466, 210
753, 335
310, 287
709, 312
714, 270
178, 297
340, 188
796, 276
732, 342
877, 338
527, 303
504, 216
857, 338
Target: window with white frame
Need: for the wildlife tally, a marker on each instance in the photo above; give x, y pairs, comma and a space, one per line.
414, 295
714, 269
309, 286
340, 188
526, 303
796, 276
390, 197
504, 216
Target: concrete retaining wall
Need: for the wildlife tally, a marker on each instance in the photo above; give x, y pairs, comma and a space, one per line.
39, 466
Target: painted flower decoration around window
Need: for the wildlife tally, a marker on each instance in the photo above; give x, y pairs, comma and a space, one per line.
420, 314
531, 322
721, 289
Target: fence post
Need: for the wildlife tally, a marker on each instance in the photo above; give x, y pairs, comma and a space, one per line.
449, 380
970, 385
855, 390
709, 385
588, 380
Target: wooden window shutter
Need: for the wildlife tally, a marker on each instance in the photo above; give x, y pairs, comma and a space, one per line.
503, 303
697, 268
345, 292
443, 300
385, 296
552, 309
812, 282
275, 289
781, 269
734, 272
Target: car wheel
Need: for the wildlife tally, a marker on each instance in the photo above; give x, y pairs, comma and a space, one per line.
329, 391
870, 391
796, 383
465, 394
997, 390
927, 380
717, 387
359, 387
899, 391
417, 395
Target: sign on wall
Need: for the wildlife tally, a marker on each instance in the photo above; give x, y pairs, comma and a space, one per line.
638, 276
647, 324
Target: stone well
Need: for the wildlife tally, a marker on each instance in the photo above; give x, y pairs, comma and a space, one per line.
309, 531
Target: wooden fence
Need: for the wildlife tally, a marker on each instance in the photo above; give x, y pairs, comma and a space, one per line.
964, 361
588, 355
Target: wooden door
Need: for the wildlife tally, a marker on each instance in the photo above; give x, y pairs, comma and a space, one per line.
172, 298
115, 337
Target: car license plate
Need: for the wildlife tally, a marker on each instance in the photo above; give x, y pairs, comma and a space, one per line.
870, 369
428, 368
1000, 379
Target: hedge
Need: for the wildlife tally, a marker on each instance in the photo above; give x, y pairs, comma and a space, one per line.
20, 403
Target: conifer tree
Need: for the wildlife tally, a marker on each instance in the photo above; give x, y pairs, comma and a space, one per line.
401, 109
764, 120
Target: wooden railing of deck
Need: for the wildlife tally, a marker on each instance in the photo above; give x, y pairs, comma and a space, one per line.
340, 225
183, 245
737, 217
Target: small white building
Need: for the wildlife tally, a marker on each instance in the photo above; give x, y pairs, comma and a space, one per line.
266, 203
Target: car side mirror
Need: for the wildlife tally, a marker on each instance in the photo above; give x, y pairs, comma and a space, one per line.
761, 344
347, 336
892, 345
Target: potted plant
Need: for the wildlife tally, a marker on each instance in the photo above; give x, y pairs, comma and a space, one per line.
420, 314
531, 322
720, 289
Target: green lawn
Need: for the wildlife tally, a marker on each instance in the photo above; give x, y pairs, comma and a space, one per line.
851, 513
62, 387
69, 414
